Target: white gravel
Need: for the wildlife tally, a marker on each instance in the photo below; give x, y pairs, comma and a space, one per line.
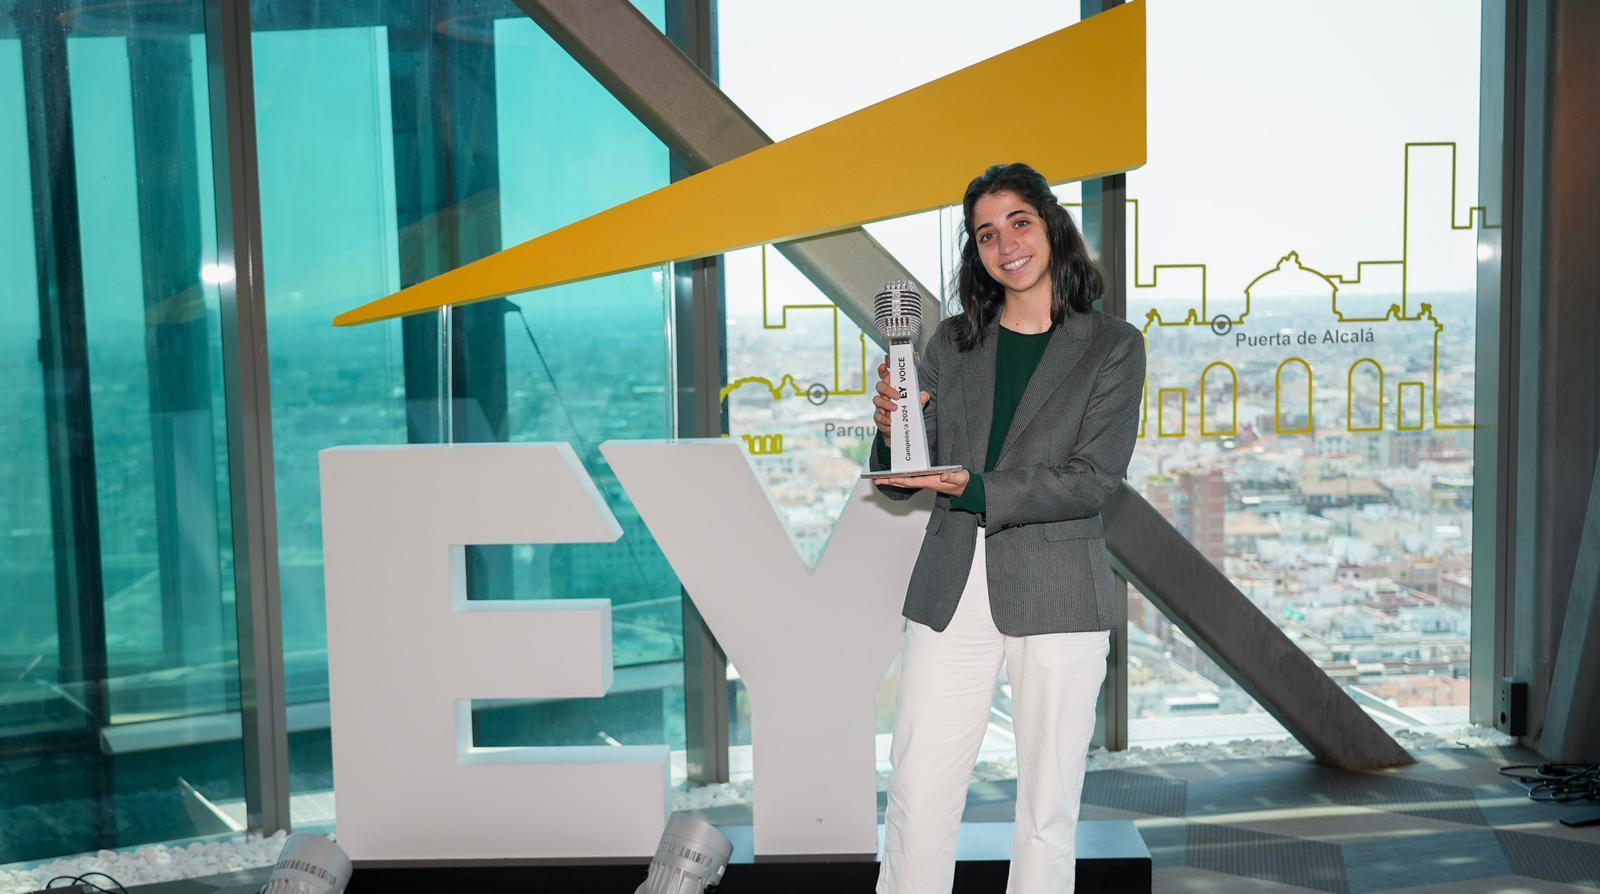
152, 863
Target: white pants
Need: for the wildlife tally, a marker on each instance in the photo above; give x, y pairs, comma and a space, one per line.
941, 713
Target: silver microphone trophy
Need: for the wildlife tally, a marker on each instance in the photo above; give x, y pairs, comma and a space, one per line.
897, 314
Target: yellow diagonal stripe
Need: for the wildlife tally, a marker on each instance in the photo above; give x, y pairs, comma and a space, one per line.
1072, 104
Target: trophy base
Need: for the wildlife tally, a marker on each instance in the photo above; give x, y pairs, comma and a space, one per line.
905, 473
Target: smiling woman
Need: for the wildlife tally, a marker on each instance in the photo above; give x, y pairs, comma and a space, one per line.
1012, 242
1044, 391
1023, 243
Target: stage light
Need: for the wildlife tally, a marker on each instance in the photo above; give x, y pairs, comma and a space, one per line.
309, 864
691, 856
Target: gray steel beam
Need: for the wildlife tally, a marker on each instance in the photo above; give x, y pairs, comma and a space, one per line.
688, 112
1529, 515
702, 367
1499, 339
1572, 730
1148, 551
1104, 221
1567, 413
1105, 216
699, 335
258, 603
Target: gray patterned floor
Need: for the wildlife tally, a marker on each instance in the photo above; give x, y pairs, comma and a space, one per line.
1448, 825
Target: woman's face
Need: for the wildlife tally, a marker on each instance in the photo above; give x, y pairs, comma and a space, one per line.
1012, 242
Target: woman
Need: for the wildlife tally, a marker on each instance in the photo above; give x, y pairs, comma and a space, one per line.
1041, 392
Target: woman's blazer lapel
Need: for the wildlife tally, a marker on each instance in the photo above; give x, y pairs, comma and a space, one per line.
977, 393
1067, 346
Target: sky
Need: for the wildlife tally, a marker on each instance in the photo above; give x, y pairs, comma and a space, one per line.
1274, 125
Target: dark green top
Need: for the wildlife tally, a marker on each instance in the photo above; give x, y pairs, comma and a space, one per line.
1015, 359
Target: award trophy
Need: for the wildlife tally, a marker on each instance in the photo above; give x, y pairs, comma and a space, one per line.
897, 314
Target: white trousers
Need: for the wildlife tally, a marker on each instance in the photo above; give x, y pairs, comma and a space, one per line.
941, 712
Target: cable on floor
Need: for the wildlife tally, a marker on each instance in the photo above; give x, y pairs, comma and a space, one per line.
83, 881
1557, 783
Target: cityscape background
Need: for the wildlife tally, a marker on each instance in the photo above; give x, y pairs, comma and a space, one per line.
1278, 213
1356, 541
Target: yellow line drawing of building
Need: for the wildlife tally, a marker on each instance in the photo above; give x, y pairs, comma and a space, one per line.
1350, 397
1417, 387
1377, 297
787, 380
1277, 401
763, 445
1182, 414
1206, 428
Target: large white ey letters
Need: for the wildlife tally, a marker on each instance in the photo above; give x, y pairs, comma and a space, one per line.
812, 645
407, 652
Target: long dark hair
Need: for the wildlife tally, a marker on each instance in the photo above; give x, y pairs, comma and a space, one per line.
1076, 281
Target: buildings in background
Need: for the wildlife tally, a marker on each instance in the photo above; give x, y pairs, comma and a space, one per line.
1357, 543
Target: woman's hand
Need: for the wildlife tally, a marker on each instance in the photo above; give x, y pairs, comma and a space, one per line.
953, 483
884, 401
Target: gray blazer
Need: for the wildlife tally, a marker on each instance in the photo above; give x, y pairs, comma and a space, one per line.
1067, 450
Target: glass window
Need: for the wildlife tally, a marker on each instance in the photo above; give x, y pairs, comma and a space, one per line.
568, 149
27, 551
330, 241
603, 157
397, 144
118, 657
1303, 265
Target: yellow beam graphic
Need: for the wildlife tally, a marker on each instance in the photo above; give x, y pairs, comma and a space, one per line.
1071, 103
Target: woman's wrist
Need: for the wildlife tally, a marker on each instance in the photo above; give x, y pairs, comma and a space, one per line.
972, 497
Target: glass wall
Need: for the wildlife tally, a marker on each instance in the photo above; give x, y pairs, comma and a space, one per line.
1303, 266
394, 143
397, 144
1322, 457
329, 241
118, 658
1300, 258
570, 150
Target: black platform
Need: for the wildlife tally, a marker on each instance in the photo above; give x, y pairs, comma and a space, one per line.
1111, 857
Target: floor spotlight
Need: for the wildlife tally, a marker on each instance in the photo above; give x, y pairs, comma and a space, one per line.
309, 864
691, 857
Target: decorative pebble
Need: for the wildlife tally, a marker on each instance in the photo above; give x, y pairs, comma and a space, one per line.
152, 863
